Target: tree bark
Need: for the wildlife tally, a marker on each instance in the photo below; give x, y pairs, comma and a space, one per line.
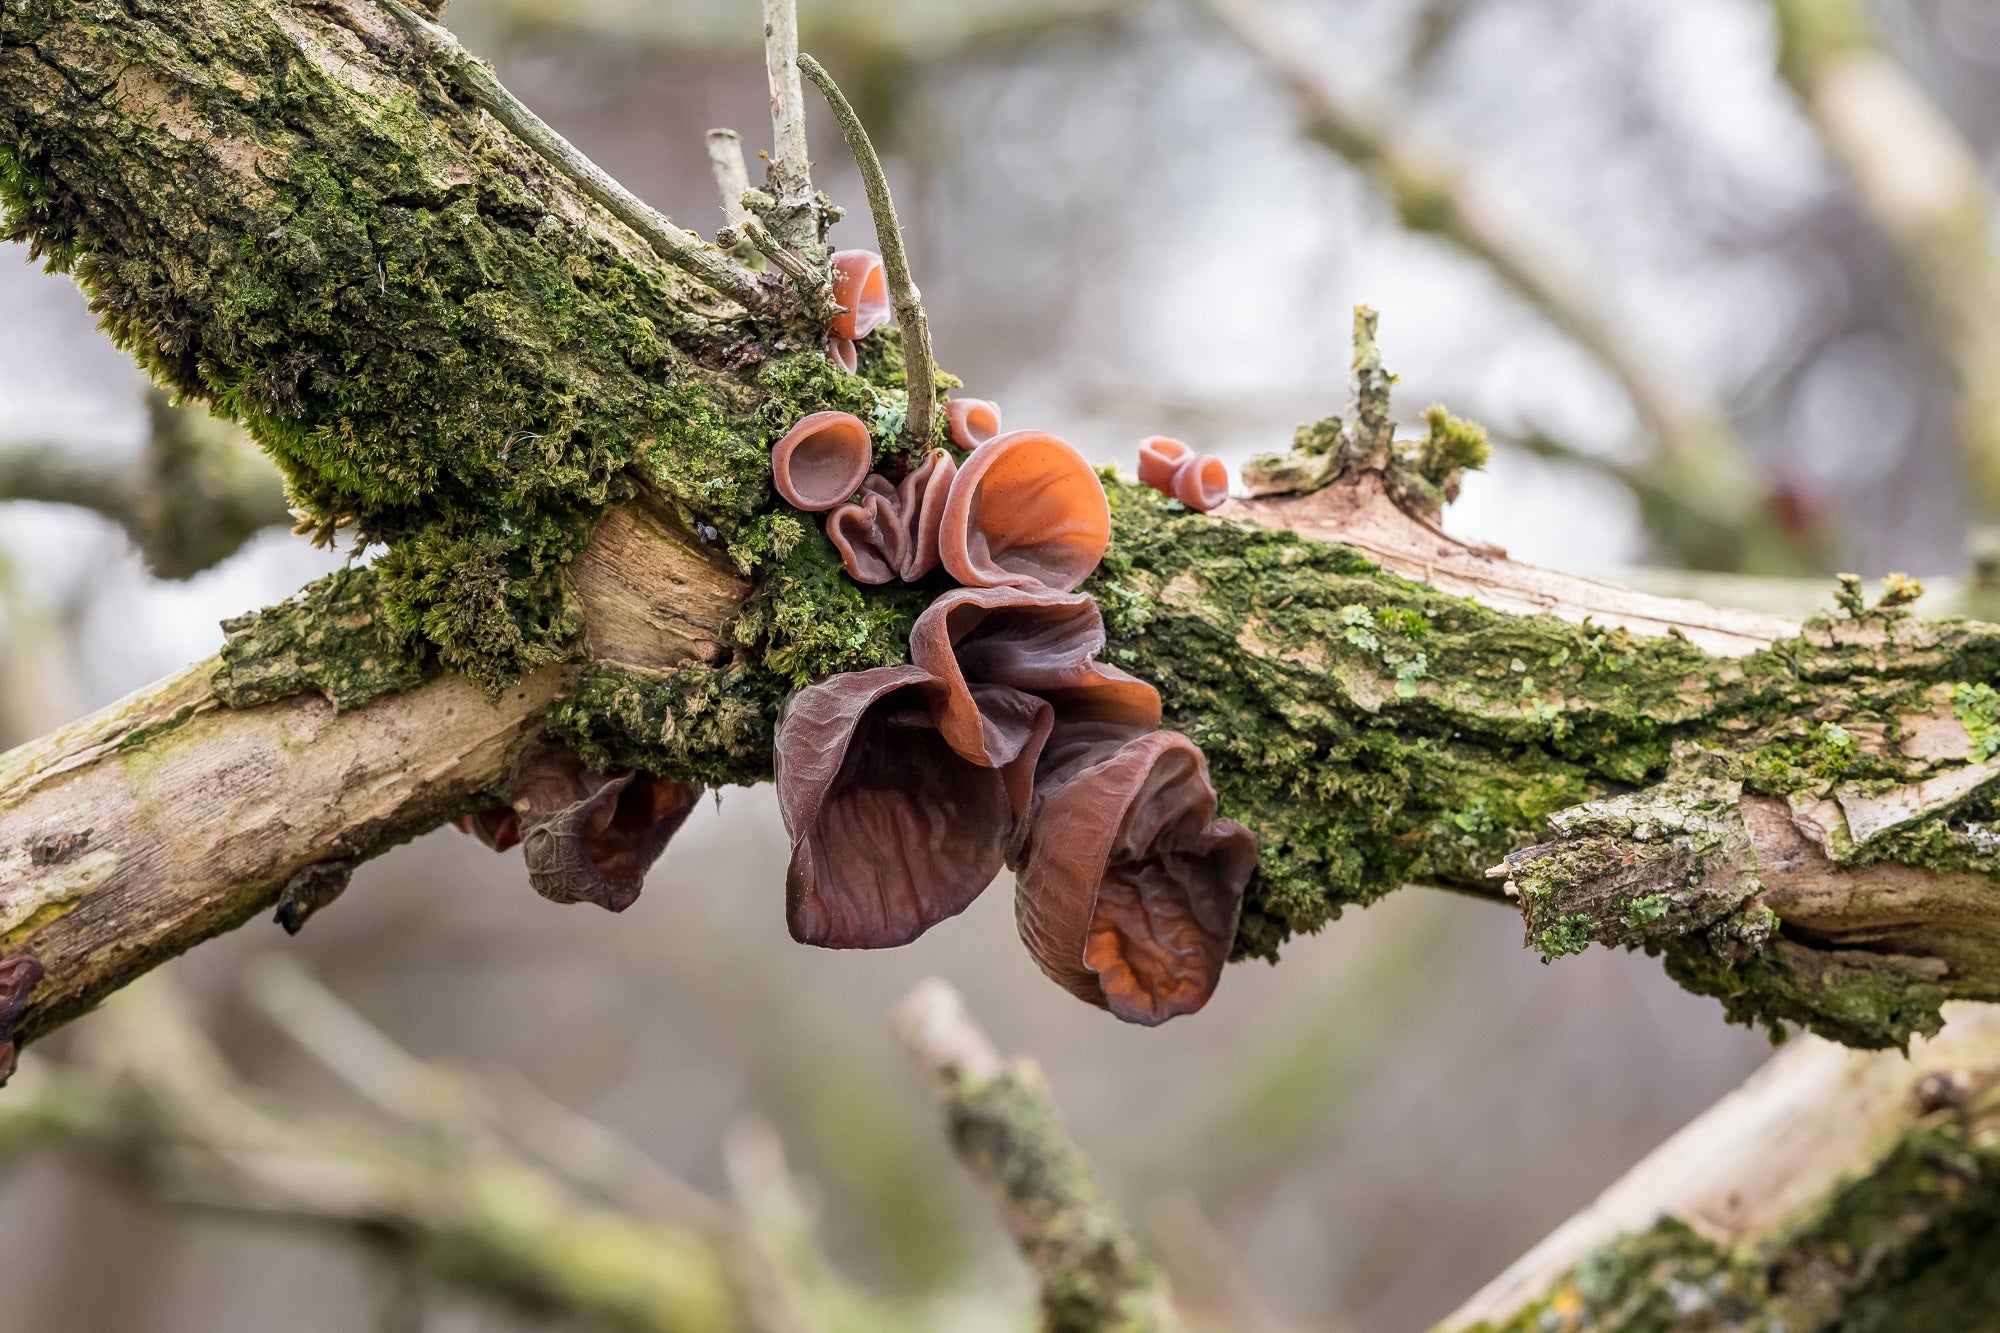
280, 209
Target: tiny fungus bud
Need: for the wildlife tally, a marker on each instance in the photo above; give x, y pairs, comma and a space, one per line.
1128, 887
842, 352
586, 836
974, 421
1171, 467
861, 287
19, 975
1201, 483
892, 532
1161, 456
1025, 511
822, 460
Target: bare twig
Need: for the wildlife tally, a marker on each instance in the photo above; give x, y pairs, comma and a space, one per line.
795, 219
1008, 1133
903, 294
732, 177
676, 245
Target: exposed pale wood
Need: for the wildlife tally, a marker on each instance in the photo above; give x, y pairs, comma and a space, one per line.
1815, 1115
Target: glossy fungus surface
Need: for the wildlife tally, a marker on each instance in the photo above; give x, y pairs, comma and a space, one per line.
1025, 511
891, 532
1201, 483
1161, 456
1128, 887
861, 287
586, 836
974, 421
843, 353
822, 460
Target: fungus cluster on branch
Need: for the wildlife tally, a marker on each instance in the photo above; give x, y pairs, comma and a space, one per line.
1004, 741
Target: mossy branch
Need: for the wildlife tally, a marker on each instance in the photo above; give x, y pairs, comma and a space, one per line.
1833, 1190
1007, 1131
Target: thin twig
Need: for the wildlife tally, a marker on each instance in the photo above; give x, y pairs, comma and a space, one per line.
676, 245
732, 177
903, 294
1008, 1133
791, 168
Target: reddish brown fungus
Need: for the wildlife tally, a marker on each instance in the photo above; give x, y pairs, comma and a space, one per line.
893, 830
1161, 456
586, 836
841, 351
1129, 887
822, 460
19, 975
861, 288
892, 531
1201, 483
974, 421
1025, 511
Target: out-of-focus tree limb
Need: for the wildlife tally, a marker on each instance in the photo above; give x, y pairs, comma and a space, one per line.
1007, 1131
1914, 174
1832, 1190
199, 489
1702, 495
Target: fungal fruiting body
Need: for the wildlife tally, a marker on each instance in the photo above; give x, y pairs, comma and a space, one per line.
1005, 741
892, 531
974, 421
861, 289
586, 836
1199, 481
843, 353
822, 460
1025, 511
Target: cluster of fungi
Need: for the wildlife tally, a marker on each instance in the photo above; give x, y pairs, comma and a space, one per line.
1004, 741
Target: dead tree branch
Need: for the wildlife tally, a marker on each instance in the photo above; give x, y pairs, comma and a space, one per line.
1005, 1129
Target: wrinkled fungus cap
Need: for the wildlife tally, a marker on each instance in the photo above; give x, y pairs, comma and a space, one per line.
1025, 511
1129, 888
893, 830
821, 461
892, 531
974, 421
1161, 456
586, 836
841, 351
862, 287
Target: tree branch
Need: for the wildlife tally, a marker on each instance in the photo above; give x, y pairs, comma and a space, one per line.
1005, 1129
1831, 1182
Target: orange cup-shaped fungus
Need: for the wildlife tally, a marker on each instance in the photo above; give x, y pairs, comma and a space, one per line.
1129, 888
1161, 456
822, 460
974, 421
861, 287
1201, 483
1025, 511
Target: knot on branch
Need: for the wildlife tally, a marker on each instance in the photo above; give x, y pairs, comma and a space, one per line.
1669, 862
1421, 475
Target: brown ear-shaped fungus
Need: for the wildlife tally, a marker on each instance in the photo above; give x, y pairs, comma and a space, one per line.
893, 829
861, 286
1034, 640
821, 461
1129, 888
586, 836
1201, 483
841, 351
1025, 511
974, 421
1161, 456
892, 532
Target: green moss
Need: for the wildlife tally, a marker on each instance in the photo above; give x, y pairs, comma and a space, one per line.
1977, 708
332, 637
